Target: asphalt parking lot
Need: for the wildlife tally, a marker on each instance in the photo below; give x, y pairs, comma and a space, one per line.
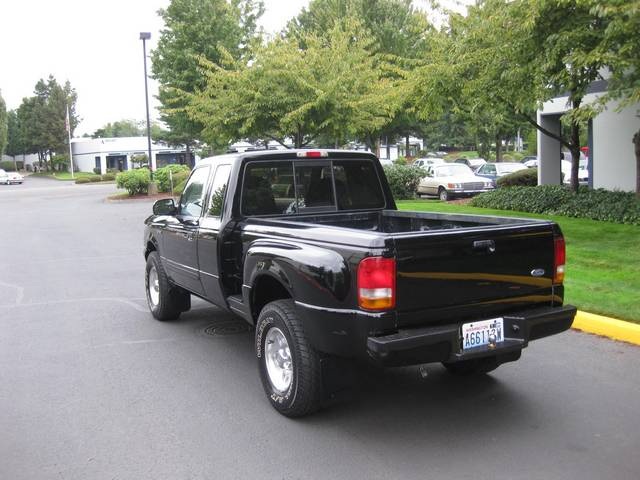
93, 388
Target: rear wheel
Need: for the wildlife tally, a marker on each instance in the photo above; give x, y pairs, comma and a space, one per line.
443, 193
289, 366
166, 301
477, 366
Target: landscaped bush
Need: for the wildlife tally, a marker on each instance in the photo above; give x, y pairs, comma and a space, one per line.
82, 180
94, 178
7, 166
618, 207
179, 172
403, 180
108, 177
134, 181
179, 188
521, 178
97, 170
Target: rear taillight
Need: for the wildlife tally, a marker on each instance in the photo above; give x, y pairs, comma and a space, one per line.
377, 283
559, 259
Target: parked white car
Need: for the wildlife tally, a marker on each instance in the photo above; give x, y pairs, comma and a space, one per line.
8, 178
427, 162
452, 180
565, 168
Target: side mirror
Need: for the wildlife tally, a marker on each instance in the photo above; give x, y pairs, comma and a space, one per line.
166, 206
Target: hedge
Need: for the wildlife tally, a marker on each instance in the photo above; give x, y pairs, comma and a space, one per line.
7, 166
403, 180
108, 177
82, 180
134, 181
522, 178
604, 205
179, 172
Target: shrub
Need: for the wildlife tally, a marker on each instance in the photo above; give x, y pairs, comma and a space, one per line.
108, 177
401, 161
134, 181
7, 166
179, 172
82, 180
94, 178
97, 170
179, 188
403, 180
521, 178
604, 205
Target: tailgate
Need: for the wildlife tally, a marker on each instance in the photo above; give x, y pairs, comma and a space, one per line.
473, 273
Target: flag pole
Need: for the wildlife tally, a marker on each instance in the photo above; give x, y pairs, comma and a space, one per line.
68, 125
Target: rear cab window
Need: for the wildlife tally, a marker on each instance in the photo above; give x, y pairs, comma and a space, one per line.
292, 187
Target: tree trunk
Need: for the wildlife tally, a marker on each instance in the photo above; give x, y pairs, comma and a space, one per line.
188, 156
575, 156
388, 148
299, 138
498, 148
377, 150
636, 144
407, 153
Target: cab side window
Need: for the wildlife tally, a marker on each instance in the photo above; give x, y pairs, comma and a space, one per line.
193, 194
218, 190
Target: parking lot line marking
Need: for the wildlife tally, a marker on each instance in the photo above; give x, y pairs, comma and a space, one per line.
608, 327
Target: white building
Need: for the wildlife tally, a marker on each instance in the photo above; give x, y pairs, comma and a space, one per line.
116, 153
612, 163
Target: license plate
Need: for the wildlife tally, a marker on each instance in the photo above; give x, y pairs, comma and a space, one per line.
481, 333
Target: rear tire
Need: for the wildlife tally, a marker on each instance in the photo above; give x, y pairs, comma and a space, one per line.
166, 301
443, 194
477, 366
289, 366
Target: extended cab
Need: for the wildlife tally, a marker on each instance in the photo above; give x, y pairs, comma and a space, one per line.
308, 246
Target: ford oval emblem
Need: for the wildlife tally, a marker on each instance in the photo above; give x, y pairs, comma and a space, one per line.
537, 272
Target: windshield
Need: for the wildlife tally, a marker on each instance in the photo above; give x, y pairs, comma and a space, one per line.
452, 170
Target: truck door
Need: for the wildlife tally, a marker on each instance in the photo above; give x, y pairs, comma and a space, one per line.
180, 236
210, 250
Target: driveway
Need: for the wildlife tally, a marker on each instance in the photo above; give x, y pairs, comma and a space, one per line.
93, 388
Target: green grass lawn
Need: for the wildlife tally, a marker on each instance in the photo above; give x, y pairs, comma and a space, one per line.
61, 175
603, 259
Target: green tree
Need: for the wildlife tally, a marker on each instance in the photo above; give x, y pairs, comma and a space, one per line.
193, 29
619, 50
42, 119
333, 88
508, 58
121, 128
15, 140
399, 33
3, 125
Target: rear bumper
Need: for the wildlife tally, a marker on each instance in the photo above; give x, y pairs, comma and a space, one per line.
443, 343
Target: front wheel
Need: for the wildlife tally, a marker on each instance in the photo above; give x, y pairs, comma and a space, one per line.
289, 366
165, 300
443, 193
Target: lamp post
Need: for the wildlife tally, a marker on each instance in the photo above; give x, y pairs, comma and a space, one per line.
144, 36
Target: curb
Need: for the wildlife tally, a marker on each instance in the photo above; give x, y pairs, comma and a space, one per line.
608, 327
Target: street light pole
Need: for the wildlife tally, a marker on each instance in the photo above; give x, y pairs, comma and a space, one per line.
144, 36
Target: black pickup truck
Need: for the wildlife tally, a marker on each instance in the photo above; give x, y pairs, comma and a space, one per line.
308, 246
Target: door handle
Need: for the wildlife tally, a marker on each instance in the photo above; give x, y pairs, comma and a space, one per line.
487, 245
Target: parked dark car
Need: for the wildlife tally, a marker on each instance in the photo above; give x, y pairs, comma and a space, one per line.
308, 246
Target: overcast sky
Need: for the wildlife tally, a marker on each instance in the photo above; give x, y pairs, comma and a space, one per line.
93, 44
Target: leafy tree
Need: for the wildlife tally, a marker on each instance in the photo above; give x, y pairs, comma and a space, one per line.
334, 88
15, 141
619, 50
400, 33
198, 28
121, 128
3, 125
42, 119
510, 57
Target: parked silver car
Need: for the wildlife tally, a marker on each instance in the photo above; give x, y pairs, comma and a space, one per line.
452, 180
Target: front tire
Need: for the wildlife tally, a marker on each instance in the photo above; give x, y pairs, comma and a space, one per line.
166, 301
443, 194
289, 366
